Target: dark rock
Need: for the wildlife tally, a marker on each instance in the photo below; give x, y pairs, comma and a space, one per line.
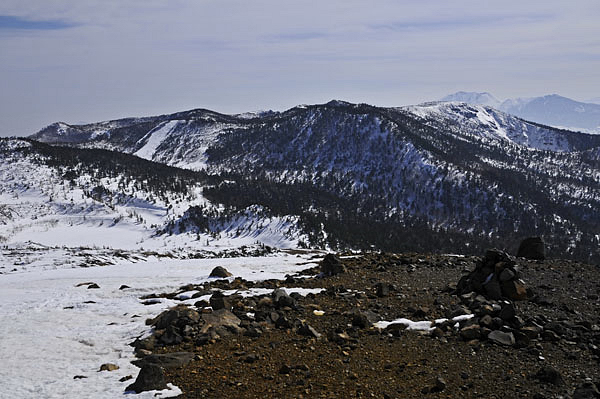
126, 378
470, 332
395, 329
550, 375
179, 317
282, 299
532, 248
166, 361
515, 290
108, 367
492, 288
219, 301
438, 385
220, 272
508, 312
332, 265
151, 377
93, 286
587, 390
285, 369
124, 287
502, 338
360, 320
251, 358
382, 289
307, 330
79, 377
507, 275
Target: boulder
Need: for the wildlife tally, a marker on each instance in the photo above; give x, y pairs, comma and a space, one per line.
166, 361
502, 338
151, 377
532, 248
220, 272
220, 318
332, 265
179, 317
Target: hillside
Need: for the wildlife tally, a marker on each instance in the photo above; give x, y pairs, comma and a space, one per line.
465, 177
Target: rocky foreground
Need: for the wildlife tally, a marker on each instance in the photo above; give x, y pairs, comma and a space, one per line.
386, 326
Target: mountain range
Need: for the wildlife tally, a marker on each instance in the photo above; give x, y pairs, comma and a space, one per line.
442, 176
552, 110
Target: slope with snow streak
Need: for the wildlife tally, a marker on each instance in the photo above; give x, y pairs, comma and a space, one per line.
486, 122
154, 138
45, 342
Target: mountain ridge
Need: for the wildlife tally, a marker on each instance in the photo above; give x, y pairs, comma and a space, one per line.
379, 175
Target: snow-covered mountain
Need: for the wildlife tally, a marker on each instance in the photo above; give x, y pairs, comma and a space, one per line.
551, 110
81, 205
437, 176
483, 98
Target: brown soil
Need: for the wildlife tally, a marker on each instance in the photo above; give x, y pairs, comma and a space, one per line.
370, 362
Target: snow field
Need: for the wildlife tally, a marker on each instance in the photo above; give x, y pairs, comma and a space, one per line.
53, 330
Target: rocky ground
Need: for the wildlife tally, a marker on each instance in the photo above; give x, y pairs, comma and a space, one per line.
531, 330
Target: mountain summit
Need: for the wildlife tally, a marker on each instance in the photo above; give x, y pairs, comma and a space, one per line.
551, 110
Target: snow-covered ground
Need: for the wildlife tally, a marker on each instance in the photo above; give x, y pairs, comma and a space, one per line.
53, 330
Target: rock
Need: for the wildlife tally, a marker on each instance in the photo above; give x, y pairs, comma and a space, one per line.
507, 275
307, 330
285, 369
178, 317
492, 288
108, 367
360, 320
531, 331
126, 378
382, 289
502, 338
515, 290
122, 287
220, 272
395, 329
79, 377
219, 301
251, 358
532, 248
93, 286
549, 375
220, 318
151, 377
282, 299
471, 332
438, 385
332, 265
166, 361
587, 390
550, 336
508, 312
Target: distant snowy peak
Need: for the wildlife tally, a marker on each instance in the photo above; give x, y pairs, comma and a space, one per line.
489, 123
551, 110
483, 98
555, 110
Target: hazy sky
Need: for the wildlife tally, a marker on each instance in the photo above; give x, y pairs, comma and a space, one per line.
90, 60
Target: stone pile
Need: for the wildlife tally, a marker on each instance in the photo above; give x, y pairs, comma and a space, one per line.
496, 276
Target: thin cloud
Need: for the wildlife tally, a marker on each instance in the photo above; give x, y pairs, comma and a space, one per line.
459, 22
9, 22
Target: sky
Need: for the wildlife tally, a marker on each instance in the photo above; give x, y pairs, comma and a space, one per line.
83, 61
